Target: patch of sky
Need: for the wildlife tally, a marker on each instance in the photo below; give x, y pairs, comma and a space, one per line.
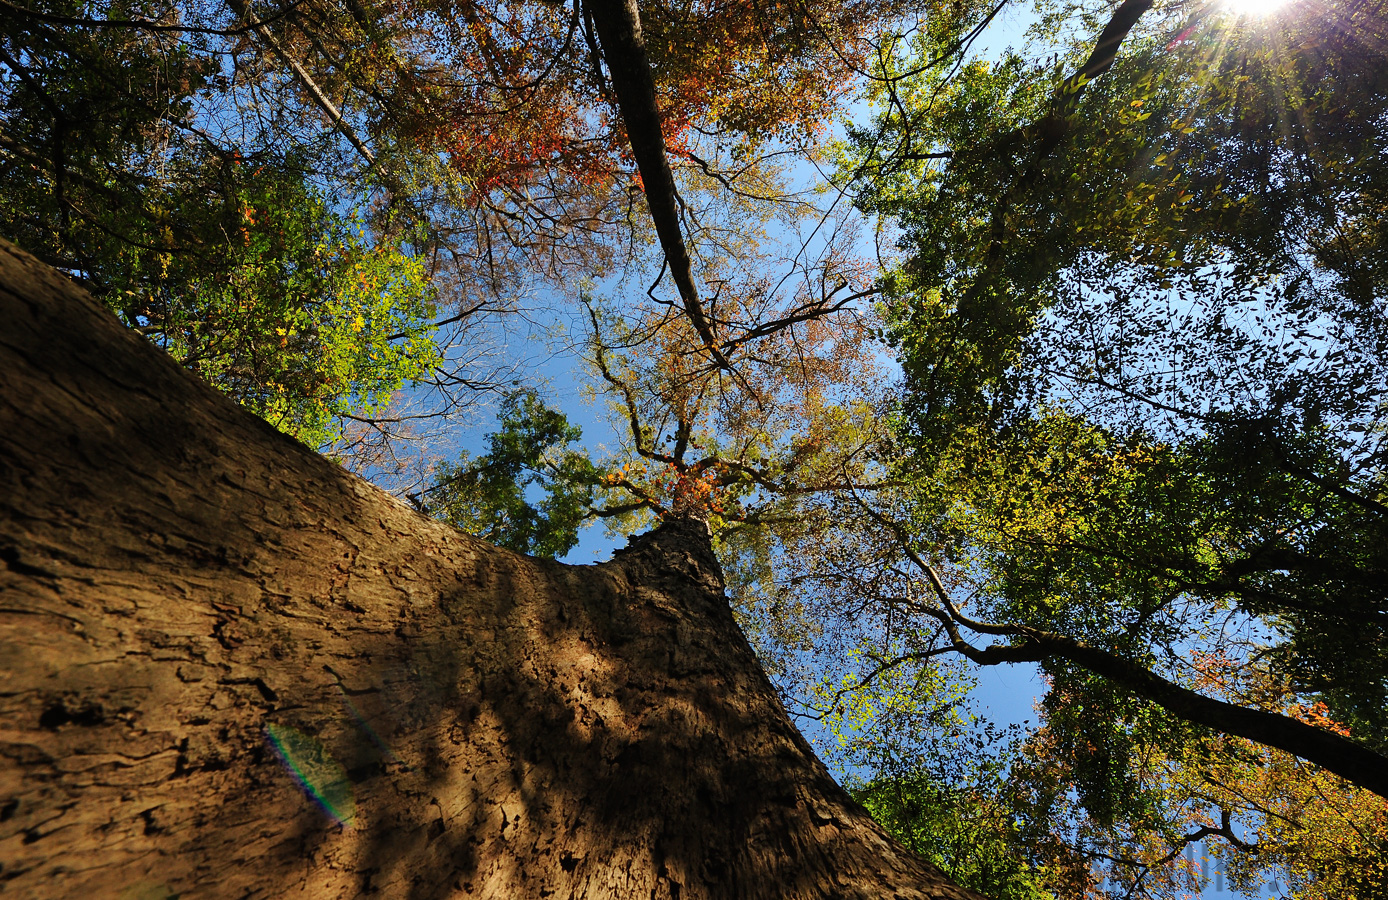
1167, 358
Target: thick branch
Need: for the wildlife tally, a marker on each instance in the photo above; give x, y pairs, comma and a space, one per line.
1041, 138
1333, 752
618, 24
1046, 134
1114, 33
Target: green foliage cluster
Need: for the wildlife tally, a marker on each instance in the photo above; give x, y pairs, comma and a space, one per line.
969, 834
936, 774
1256, 149
240, 266
295, 313
490, 496
1142, 546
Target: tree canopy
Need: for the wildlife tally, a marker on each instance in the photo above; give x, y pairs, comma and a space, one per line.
1106, 394
1139, 310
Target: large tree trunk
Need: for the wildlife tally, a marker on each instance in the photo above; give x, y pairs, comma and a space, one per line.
228, 668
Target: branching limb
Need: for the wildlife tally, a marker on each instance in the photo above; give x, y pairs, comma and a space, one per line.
1333, 752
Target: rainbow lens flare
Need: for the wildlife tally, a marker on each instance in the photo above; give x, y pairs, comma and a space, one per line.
318, 773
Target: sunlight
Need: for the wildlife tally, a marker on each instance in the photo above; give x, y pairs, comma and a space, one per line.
1254, 8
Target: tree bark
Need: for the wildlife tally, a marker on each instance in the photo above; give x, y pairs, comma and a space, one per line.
228, 668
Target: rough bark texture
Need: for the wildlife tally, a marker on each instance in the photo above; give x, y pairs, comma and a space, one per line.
192, 604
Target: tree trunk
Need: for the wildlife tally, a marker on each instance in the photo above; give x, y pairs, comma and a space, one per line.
228, 668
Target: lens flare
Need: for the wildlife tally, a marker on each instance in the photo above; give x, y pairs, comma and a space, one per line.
1254, 8
321, 776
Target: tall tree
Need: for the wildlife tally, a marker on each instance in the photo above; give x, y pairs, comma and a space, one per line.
233, 669
1140, 311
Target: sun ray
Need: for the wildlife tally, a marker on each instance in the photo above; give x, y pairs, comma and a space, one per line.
1254, 8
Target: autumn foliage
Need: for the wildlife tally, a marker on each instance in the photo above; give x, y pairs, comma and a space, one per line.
515, 93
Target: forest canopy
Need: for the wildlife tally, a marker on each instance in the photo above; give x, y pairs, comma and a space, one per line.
979, 333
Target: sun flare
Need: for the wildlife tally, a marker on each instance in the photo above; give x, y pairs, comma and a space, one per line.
1255, 8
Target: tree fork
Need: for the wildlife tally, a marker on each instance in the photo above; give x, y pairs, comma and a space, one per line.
231, 669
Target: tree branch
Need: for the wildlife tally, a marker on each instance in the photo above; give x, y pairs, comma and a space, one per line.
1333, 752
243, 9
618, 24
